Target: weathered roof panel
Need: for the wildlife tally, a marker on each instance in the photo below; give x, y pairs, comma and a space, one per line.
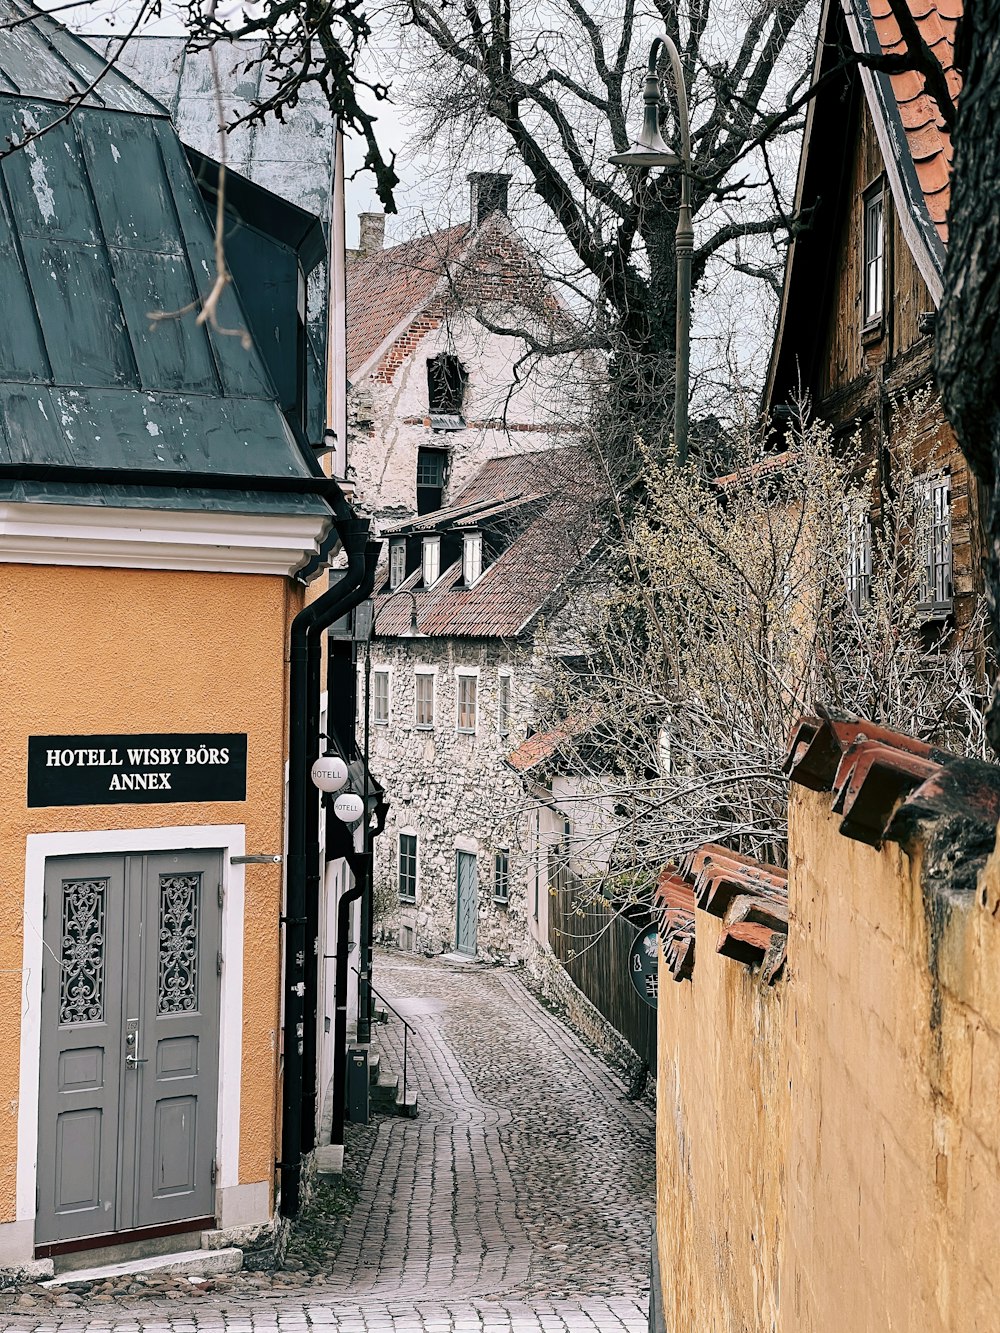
40, 59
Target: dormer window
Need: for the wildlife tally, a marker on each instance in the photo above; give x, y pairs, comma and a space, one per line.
397, 563
446, 382
472, 558
431, 561
873, 257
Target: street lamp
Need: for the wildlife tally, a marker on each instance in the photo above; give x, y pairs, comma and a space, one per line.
649, 150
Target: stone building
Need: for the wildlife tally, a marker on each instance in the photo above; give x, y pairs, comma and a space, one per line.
458, 618
434, 390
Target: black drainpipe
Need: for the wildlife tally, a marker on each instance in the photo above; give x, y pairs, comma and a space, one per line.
304, 657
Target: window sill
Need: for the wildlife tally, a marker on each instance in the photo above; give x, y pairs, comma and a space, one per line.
934, 613
423, 726
501, 902
873, 332
407, 902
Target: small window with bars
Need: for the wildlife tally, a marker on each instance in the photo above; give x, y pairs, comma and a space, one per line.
467, 691
397, 563
873, 262
503, 705
935, 584
380, 697
408, 867
424, 699
501, 876
859, 558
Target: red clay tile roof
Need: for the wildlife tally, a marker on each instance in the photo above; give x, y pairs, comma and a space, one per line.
555, 536
928, 140
385, 288
539, 747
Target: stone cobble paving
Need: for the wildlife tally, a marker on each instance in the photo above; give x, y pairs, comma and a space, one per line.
518, 1201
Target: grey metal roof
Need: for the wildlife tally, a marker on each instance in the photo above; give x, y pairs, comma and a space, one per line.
292, 158
102, 224
41, 59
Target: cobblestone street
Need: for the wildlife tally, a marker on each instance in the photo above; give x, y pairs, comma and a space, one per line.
518, 1201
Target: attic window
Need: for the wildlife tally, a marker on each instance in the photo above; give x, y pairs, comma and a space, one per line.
446, 381
431, 467
873, 262
431, 561
397, 563
472, 558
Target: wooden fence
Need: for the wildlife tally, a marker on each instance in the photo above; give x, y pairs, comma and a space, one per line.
594, 949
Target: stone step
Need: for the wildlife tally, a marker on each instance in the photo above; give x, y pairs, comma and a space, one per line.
407, 1106
374, 1066
384, 1089
187, 1263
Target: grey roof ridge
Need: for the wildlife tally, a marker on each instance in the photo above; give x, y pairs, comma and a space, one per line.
44, 20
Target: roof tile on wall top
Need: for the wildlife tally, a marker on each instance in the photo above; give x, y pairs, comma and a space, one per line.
888, 786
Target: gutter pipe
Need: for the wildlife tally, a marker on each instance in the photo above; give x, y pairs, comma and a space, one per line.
303, 710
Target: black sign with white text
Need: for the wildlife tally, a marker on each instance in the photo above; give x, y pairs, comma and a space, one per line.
136, 770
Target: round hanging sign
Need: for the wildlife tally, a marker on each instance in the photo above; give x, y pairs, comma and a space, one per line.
643, 963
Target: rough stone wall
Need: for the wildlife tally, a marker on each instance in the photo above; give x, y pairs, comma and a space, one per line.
828, 1152
453, 791
389, 411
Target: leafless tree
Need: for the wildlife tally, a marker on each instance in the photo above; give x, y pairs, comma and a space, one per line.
740, 604
553, 89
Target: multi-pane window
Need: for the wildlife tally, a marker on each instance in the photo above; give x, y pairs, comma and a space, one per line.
503, 705
873, 263
397, 563
472, 557
424, 699
467, 689
430, 479
859, 559
380, 697
501, 876
933, 544
408, 867
431, 560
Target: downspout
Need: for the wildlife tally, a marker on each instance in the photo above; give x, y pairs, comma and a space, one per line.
304, 675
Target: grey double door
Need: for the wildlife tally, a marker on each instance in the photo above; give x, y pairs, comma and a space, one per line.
128, 1083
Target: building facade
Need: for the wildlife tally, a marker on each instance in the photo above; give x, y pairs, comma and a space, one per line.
162, 507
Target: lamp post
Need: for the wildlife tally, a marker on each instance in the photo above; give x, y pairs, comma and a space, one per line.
649, 150
367, 906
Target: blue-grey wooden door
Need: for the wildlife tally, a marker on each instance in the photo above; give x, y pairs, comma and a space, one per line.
130, 1038
467, 883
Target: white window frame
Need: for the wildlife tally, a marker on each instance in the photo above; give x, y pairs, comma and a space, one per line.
934, 551
503, 898
424, 673
472, 558
397, 562
873, 248
407, 833
377, 674
461, 676
430, 561
504, 678
859, 557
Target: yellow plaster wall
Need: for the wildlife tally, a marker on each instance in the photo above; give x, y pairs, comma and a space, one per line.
721, 1117
99, 650
828, 1154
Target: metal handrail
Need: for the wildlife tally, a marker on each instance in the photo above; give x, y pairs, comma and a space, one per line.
407, 1029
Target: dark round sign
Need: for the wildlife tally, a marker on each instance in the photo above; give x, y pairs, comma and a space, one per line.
643, 961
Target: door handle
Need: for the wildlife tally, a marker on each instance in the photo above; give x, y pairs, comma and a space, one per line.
131, 1061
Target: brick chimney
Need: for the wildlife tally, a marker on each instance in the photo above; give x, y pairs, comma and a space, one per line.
372, 233
487, 194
